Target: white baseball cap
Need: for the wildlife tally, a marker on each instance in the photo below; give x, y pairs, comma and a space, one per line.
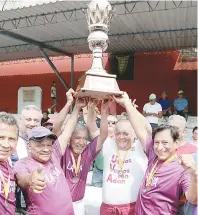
152, 97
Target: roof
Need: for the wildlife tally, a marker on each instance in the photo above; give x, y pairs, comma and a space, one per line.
138, 25
40, 66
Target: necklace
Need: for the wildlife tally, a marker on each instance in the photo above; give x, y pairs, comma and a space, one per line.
155, 169
76, 168
120, 161
6, 186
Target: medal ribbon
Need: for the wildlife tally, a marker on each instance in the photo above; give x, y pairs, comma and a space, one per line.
120, 161
5, 185
155, 169
76, 165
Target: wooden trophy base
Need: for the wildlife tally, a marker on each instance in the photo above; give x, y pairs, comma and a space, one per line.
98, 86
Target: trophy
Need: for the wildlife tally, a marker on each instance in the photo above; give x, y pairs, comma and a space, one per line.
96, 82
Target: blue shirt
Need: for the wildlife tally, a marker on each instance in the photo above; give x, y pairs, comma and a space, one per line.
190, 209
164, 103
180, 104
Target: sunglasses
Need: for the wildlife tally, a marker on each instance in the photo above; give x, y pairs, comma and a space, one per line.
113, 123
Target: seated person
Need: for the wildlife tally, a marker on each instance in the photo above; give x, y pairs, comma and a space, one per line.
165, 102
181, 105
152, 111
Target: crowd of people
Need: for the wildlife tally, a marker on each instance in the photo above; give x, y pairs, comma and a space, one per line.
143, 169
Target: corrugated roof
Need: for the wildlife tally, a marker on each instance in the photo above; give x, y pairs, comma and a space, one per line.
149, 25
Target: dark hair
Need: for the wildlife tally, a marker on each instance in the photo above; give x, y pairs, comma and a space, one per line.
194, 129
174, 131
9, 119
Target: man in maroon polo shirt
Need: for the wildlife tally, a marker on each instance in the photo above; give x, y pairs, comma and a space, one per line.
9, 132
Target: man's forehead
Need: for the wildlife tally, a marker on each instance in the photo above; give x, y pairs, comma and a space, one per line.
124, 126
32, 114
8, 130
113, 118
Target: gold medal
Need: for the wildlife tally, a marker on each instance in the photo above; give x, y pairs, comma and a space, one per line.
155, 169
6, 186
75, 180
120, 161
76, 168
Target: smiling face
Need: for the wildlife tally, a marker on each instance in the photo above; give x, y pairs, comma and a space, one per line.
41, 150
8, 140
124, 134
79, 141
164, 145
29, 119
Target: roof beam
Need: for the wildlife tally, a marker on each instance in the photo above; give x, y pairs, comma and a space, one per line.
127, 7
32, 41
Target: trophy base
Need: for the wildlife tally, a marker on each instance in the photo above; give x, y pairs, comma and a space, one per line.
96, 94
98, 85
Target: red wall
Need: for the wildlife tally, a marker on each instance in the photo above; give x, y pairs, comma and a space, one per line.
153, 73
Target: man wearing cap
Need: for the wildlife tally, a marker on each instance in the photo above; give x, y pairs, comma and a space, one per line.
181, 105
165, 102
152, 111
9, 132
41, 176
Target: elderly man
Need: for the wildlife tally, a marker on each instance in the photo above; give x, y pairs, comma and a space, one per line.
30, 117
124, 168
152, 111
9, 132
41, 173
79, 156
164, 174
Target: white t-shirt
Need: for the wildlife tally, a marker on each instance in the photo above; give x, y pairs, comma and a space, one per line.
21, 148
149, 108
122, 189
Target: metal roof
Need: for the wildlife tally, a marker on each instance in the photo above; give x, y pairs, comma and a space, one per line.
138, 25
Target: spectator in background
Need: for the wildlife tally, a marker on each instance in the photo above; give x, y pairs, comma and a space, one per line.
53, 94
152, 111
45, 117
194, 138
165, 102
181, 105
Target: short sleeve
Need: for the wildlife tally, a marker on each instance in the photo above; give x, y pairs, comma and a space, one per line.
21, 166
186, 102
184, 182
145, 108
57, 150
92, 148
159, 107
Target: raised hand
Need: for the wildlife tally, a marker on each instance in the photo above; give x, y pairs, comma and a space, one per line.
105, 104
92, 103
188, 163
80, 103
123, 100
37, 181
69, 95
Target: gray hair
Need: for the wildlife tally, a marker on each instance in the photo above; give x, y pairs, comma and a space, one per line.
176, 117
80, 126
31, 107
8, 119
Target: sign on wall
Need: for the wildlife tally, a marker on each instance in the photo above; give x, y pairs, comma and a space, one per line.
29, 96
